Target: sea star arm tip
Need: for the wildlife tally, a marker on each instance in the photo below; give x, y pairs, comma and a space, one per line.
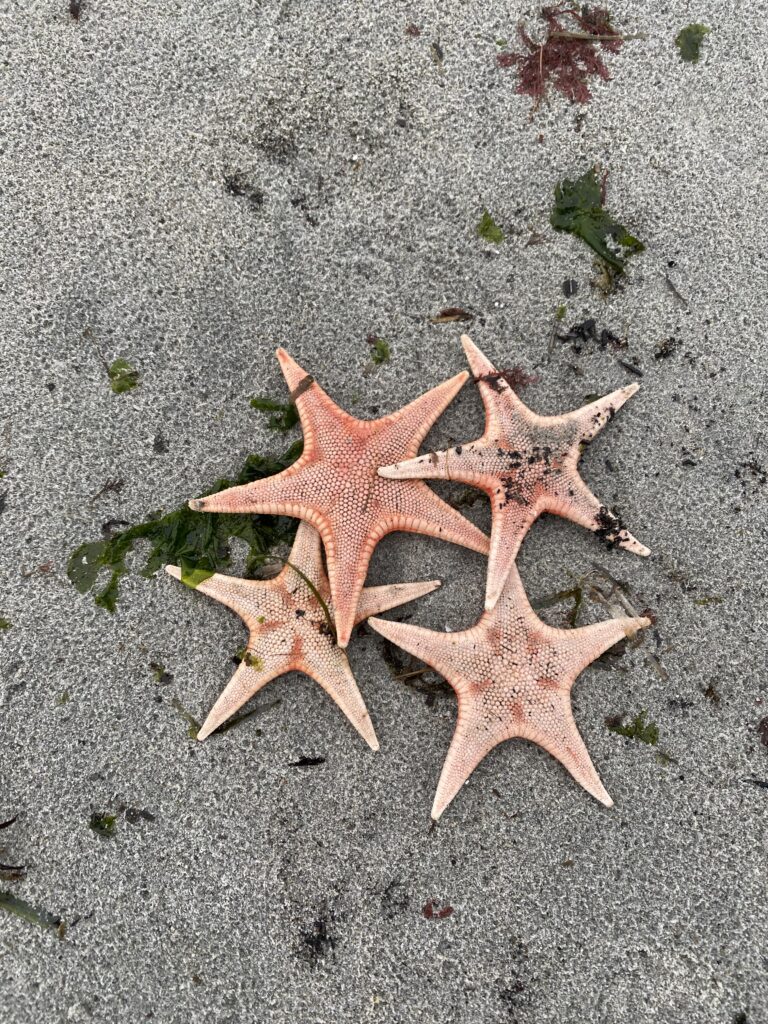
413, 422
173, 570
379, 599
432, 466
586, 643
246, 681
479, 363
332, 671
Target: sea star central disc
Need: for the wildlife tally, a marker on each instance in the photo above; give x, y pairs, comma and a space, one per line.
512, 675
290, 624
335, 485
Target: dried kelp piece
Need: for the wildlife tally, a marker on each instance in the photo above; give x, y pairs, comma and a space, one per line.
452, 315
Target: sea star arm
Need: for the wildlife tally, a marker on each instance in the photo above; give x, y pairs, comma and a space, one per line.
247, 680
580, 647
573, 500
590, 419
491, 384
463, 464
440, 650
570, 497
374, 600
410, 425
329, 667
286, 492
508, 528
235, 593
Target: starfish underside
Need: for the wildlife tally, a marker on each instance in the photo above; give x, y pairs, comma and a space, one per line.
335, 485
512, 675
527, 465
290, 624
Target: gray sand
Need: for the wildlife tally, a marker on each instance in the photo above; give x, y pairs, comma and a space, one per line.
263, 892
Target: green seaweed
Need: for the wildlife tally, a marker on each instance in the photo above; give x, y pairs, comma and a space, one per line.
198, 542
194, 726
380, 351
284, 415
489, 230
638, 729
194, 577
15, 905
5, 623
579, 210
575, 594
122, 376
236, 720
689, 40
103, 824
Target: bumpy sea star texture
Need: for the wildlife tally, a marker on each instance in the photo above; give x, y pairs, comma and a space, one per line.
289, 631
527, 465
512, 675
335, 485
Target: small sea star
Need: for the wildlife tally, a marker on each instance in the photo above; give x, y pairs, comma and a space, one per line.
335, 485
289, 630
527, 465
512, 675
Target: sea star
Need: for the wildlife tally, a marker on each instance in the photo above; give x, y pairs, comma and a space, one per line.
290, 625
335, 486
512, 675
527, 465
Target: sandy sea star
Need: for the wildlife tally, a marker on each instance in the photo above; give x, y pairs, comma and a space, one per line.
527, 465
335, 485
290, 631
512, 675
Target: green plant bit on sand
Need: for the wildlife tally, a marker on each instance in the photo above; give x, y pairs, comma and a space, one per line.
122, 376
27, 912
192, 722
284, 415
689, 40
575, 594
196, 541
381, 351
489, 230
4, 623
103, 824
579, 210
638, 729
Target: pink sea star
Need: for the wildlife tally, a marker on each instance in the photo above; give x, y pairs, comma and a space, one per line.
512, 675
335, 485
289, 631
527, 465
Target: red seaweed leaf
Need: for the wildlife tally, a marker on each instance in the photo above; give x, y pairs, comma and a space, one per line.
568, 57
